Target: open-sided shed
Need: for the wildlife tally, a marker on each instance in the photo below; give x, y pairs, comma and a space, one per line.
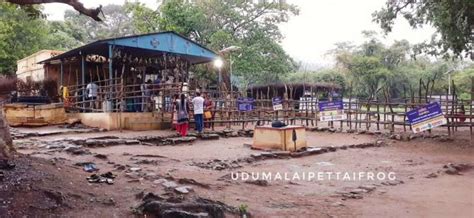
138, 73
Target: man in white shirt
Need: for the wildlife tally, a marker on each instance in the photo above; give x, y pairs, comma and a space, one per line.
198, 105
92, 90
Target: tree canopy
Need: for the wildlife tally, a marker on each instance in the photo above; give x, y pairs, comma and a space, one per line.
374, 70
251, 25
84, 30
453, 20
21, 34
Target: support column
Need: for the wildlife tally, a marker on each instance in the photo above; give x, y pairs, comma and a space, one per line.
110, 77
46, 75
62, 73
83, 80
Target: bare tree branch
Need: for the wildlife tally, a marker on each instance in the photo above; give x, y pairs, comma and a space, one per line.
78, 6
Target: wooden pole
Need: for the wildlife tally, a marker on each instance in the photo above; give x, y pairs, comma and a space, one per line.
447, 112
349, 112
470, 107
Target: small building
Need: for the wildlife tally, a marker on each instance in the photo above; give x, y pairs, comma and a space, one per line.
29, 67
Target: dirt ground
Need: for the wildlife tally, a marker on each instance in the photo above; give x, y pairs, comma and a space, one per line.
48, 181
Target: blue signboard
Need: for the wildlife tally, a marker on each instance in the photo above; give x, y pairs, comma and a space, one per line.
330, 105
245, 104
331, 110
277, 103
426, 117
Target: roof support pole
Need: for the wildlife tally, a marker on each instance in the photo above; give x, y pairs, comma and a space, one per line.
83, 80
110, 70
62, 73
46, 73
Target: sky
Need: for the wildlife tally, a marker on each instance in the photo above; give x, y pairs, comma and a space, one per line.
319, 25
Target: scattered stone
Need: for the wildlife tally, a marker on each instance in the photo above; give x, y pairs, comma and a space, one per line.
146, 161
192, 182
452, 171
169, 184
412, 136
135, 169
331, 148
160, 181
247, 145
337, 204
322, 129
209, 136
76, 150
149, 155
259, 182
456, 169
431, 175
55, 146
360, 132
350, 131
133, 180
108, 201
392, 182
150, 175
367, 188
379, 143
293, 183
183, 189
120, 167
324, 163
396, 137
358, 191
234, 134
218, 167
351, 195
217, 164
179, 140
101, 156
445, 139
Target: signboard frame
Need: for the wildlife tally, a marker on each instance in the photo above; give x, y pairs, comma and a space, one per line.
245, 104
426, 117
331, 110
277, 103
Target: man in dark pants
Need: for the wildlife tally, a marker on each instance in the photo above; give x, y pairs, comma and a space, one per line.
198, 105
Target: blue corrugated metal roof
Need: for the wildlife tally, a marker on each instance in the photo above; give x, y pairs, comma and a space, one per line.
161, 42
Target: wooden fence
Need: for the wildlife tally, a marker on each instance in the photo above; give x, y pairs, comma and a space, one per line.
362, 114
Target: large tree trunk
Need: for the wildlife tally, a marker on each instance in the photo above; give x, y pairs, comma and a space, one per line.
6, 144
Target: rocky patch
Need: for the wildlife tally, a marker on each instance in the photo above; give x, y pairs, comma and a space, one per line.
172, 206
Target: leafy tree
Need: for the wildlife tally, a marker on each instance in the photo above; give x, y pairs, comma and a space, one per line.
375, 69
85, 30
20, 35
324, 75
251, 25
463, 82
453, 20
144, 19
